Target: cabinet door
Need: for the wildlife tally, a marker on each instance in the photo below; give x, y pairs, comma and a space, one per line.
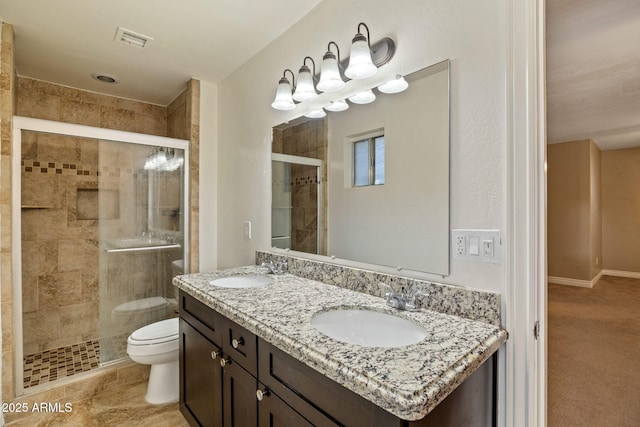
200, 378
273, 412
240, 406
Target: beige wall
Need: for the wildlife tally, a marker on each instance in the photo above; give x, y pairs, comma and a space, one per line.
593, 210
621, 210
574, 232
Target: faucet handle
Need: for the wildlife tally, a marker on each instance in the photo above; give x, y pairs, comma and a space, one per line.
283, 267
417, 297
388, 289
269, 265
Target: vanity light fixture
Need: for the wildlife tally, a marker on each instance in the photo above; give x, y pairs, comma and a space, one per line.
398, 84
360, 62
363, 63
364, 97
330, 78
306, 89
337, 105
284, 100
317, 114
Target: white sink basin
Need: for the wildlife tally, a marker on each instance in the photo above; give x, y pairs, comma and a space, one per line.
368, 328
242, 281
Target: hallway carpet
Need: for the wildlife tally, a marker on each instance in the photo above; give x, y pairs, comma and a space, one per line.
594, 354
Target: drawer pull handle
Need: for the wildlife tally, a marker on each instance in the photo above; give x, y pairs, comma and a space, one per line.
224, 361
261, 394
235, 343
215, 354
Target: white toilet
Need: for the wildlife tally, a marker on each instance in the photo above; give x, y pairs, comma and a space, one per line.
157, 345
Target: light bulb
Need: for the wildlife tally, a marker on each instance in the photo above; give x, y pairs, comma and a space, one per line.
330, 79
360, 63
284, 100
317, 114
364, 97
305, 91
398, 84
337, 105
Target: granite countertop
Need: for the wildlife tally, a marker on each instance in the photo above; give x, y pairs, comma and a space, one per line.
406, 381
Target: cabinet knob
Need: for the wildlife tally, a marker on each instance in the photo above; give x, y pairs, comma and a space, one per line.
215, 354
235, 343
224, 361
261, 394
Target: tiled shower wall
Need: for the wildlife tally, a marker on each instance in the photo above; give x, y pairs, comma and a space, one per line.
307, 139
62, 180
7, 98
59, 251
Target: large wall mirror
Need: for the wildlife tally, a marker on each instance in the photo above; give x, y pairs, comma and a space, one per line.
369, 184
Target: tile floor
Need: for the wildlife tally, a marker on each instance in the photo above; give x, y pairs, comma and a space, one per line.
123, 406
50, 365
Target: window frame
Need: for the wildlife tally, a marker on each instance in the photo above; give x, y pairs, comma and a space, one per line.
371, 161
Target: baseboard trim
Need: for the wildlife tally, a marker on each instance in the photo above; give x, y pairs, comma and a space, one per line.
575, 282
620, 273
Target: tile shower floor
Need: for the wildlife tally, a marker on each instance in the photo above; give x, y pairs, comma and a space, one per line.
50, 365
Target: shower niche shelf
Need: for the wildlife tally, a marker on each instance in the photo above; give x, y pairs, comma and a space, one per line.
36, 207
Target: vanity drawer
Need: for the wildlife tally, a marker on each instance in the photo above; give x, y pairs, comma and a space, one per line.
304, 388
206, 320
241, 345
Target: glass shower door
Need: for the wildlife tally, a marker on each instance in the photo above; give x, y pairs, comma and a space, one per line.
140, 194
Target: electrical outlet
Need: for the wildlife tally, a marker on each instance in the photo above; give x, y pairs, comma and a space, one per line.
477, 245
460, 245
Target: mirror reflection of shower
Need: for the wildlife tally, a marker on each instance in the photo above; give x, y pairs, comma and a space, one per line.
297, 203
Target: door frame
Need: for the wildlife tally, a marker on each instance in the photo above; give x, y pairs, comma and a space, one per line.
526, 194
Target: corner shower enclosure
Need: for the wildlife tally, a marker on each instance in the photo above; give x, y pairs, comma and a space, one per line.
101, 230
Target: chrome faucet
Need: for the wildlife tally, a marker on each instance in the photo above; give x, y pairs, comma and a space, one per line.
276, 268
410, 300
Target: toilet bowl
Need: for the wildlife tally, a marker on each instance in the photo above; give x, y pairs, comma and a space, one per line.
157, 345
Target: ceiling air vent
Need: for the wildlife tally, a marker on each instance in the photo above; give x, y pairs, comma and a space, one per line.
131, 38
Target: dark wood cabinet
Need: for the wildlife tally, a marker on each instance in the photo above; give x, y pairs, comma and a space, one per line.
274, 412
229, 377
240, 406
200, 378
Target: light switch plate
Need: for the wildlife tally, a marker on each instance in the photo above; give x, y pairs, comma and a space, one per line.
477, 245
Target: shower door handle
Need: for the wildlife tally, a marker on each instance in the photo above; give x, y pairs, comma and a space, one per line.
143, 248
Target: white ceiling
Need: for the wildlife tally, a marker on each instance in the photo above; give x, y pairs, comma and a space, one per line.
65, 41
593, 72
593, 52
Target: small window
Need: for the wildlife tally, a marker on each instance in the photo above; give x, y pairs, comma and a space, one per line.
368, 161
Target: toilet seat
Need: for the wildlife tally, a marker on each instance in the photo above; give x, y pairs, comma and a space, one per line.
143, 305
156, 338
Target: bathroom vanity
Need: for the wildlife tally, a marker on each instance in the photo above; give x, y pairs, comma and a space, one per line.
251, 356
